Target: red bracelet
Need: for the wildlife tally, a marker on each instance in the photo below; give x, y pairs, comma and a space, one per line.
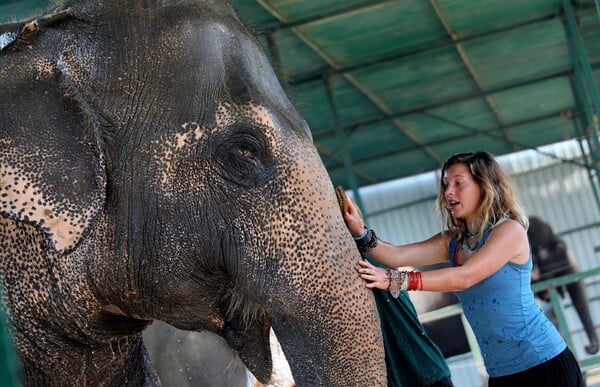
415, 281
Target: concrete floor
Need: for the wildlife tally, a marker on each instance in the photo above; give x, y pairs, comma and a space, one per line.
593, 377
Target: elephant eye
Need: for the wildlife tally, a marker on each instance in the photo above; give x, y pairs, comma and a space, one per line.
244, 159
245, 148
247, 151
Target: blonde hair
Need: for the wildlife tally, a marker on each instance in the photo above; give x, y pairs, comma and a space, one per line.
498, 199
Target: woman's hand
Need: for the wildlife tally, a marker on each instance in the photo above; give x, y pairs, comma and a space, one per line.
353, 219
375, 277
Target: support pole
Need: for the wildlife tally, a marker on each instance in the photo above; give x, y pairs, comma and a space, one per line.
350, 176
591, 161
582, 60
586, 88
589, 164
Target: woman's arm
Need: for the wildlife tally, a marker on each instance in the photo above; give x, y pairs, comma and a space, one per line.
508, 242
430, 251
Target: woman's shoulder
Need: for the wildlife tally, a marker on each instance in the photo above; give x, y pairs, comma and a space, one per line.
510, 225
439, 242
443, 237
513, 237
506, 230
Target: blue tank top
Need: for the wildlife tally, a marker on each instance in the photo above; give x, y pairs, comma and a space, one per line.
512, 331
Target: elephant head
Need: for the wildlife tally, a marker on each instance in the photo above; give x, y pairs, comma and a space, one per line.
152, 168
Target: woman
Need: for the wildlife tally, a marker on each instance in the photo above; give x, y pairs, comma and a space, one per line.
485, 242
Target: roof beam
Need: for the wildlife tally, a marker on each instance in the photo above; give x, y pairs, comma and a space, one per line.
388, 112
332, 15
339, 69
459, 47
333, 155
472, 131
458, 98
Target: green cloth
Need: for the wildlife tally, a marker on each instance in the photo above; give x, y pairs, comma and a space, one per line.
412, 358
9, 362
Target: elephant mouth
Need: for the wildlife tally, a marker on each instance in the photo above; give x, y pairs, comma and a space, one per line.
250, 338
111, 322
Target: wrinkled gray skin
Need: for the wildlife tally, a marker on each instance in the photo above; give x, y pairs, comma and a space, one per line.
152, 168
551, 259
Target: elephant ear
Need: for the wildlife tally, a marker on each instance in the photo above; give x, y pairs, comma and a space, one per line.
52, 172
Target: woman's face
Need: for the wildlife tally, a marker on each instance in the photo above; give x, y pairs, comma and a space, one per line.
462, 193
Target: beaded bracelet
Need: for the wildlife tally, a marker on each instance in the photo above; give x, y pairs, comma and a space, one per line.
404, 280
400, 280
388, 273
395, 283
361, 236
367, 241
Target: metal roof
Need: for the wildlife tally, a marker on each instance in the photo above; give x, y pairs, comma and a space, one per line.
392, 88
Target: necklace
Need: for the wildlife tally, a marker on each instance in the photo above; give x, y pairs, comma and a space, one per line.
471, 234
469, 246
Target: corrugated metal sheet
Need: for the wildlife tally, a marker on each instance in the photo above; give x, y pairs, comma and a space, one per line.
552, 183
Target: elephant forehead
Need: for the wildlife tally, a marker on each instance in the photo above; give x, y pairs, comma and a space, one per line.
21, 198
191, 133
229, 114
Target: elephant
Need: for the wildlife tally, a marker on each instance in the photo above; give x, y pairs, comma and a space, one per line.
551, 258
152, 168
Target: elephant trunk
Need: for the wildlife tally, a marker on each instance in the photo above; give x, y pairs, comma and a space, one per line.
340, 326
331, 335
